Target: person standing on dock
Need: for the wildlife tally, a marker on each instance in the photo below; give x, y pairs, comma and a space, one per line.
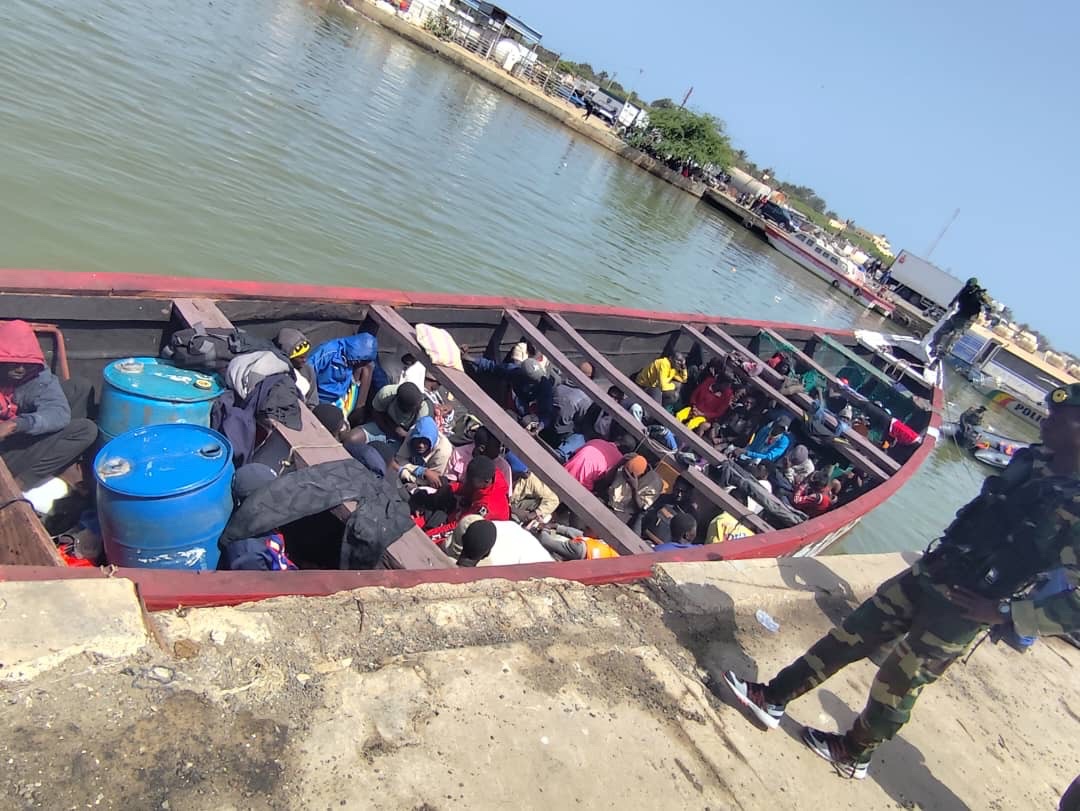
1026, 521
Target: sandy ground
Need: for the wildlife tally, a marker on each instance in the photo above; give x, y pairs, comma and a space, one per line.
533, 695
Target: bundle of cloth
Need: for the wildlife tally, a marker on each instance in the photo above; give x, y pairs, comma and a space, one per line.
262, 388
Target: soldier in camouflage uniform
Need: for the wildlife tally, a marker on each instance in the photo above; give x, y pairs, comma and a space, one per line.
1025, 521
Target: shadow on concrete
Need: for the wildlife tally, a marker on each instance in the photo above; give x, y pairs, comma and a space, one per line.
708, 633
832, 593
898, 767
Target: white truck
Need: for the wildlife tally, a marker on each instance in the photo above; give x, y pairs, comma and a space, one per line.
923, 284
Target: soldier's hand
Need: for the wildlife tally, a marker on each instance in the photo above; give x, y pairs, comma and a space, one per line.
976, 607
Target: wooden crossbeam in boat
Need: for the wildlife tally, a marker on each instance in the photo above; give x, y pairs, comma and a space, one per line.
703, 483
23, 539
201, 312
797, 409
800, 355
570, 491
869, 457
311, 445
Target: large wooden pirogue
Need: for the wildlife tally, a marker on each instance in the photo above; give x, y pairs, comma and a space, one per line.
90, 319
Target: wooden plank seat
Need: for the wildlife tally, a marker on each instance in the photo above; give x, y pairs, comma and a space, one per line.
311, 445
871, 455
797, 409
702, 483
570, 491
713, 492
23, 539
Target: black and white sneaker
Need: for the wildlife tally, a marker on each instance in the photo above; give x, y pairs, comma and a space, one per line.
752, 696
834, 748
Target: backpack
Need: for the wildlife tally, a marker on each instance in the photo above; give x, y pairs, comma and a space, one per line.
210, 350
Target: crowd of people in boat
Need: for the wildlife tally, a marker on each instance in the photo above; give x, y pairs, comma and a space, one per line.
423, 460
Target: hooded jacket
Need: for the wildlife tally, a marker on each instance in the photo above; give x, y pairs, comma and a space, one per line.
766, 448
414, 465
333, 363
41, 405
380, 517
491, 502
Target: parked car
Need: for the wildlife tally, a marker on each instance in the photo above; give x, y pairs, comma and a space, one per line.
779, 215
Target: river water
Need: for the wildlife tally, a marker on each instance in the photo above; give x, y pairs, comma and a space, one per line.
273, 139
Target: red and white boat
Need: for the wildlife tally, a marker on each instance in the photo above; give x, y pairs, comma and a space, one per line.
87, 320
828, 264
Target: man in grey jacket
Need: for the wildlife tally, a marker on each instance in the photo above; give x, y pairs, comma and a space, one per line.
38, 437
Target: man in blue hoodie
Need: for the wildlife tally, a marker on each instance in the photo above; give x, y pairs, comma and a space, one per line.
339, 367
770, 442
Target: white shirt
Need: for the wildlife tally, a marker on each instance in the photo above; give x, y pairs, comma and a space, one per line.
514, 544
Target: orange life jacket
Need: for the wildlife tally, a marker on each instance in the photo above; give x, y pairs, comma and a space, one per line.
595, 549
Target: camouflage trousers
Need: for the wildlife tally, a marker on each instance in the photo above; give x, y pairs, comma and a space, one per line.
927, 632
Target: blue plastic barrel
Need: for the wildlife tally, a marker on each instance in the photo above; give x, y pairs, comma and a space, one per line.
150, 391
164, 495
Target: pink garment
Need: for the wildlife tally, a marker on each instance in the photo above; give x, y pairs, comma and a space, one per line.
463, 454
596, 457
459, 460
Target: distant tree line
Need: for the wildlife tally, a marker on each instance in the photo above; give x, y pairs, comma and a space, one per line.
701, 139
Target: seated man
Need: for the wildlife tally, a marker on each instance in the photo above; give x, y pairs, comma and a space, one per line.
815, 495
570, 543
340, 365
423, 456
394, 411
486, 444
679, 500
726, 527
38, 437
683, 534
567, 431
709, 402
482, 492
531, 388
663, 378
596, 458
531, 499
496, 543
298, 349
792, 470
630, 489
770, 442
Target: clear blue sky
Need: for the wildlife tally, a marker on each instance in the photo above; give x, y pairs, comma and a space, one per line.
896, 113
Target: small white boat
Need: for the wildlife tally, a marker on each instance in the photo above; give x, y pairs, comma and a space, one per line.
829, 265
902, 354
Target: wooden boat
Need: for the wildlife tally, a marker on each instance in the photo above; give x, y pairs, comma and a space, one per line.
91, 319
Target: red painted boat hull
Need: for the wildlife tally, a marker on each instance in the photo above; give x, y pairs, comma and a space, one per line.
165, 589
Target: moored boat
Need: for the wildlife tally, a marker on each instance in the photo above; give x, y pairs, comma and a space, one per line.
94, 319
817, 256
1010, 376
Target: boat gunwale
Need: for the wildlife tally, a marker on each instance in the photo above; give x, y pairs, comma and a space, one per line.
165, 589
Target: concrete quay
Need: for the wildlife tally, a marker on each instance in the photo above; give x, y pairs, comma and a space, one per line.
543, 694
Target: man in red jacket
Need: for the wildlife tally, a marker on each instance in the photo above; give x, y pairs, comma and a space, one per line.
483, 491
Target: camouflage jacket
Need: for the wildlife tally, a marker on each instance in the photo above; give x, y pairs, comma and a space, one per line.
1024, 522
